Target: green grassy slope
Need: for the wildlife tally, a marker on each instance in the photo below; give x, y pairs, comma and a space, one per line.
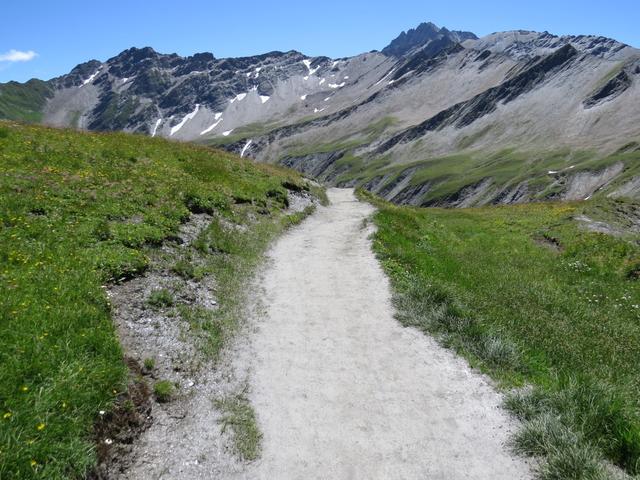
448, 175
24, 101
451, 173
531, 298
76, 212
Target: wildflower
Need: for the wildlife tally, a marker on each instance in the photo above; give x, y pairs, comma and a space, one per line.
33, 463
7, 415
64, 404
24, 388
101, 412
40, 426
108, 441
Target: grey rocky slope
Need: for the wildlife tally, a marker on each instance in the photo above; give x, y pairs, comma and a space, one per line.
436, 117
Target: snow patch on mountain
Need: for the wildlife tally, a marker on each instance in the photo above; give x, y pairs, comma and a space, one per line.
385, 77
307, 63
155, 128
186, 118
90, 79
214, 125
238, 98
244, 150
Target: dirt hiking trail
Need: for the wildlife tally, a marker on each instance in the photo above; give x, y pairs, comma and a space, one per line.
341, 390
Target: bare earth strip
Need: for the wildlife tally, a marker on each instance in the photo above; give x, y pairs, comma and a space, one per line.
342, 391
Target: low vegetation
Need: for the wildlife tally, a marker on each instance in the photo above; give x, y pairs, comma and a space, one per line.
78, 211
149, 364
160, 298
548, 308
450, 175
239, 417
24, 101
164, 390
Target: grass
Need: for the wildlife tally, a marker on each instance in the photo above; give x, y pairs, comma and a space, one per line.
567, 455
185, 268
160, 298
149, 364
164, 390
346, 144
507, 168
24, 101
532, 299
238, 414
244, 132
230, 252
78, 211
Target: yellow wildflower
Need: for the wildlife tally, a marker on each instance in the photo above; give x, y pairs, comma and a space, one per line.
7, 415
33, 463
40, 426
24, 388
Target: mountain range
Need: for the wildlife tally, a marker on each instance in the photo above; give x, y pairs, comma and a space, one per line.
437, 117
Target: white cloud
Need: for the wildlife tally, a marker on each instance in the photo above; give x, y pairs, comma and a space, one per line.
17, 56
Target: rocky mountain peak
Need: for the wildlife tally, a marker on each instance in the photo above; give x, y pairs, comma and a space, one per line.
525, 44
420, 37
134, 55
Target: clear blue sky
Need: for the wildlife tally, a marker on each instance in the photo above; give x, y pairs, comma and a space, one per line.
61, 34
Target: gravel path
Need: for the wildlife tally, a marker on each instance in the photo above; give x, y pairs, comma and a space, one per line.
341, 390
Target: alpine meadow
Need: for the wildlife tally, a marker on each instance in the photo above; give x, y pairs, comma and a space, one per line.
421, 261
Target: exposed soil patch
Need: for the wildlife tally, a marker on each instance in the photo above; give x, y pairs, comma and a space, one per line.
168, 425
548, 242
161, 349
116, 430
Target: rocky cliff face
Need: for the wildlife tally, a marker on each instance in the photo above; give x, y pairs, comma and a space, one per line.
426, 36
438, 117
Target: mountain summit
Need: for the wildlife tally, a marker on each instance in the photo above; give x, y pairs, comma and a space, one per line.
422, 36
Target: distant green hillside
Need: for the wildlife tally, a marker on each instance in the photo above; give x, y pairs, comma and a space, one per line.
78, 211
24, 101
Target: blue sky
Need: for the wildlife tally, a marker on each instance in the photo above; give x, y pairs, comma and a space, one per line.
47, 38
